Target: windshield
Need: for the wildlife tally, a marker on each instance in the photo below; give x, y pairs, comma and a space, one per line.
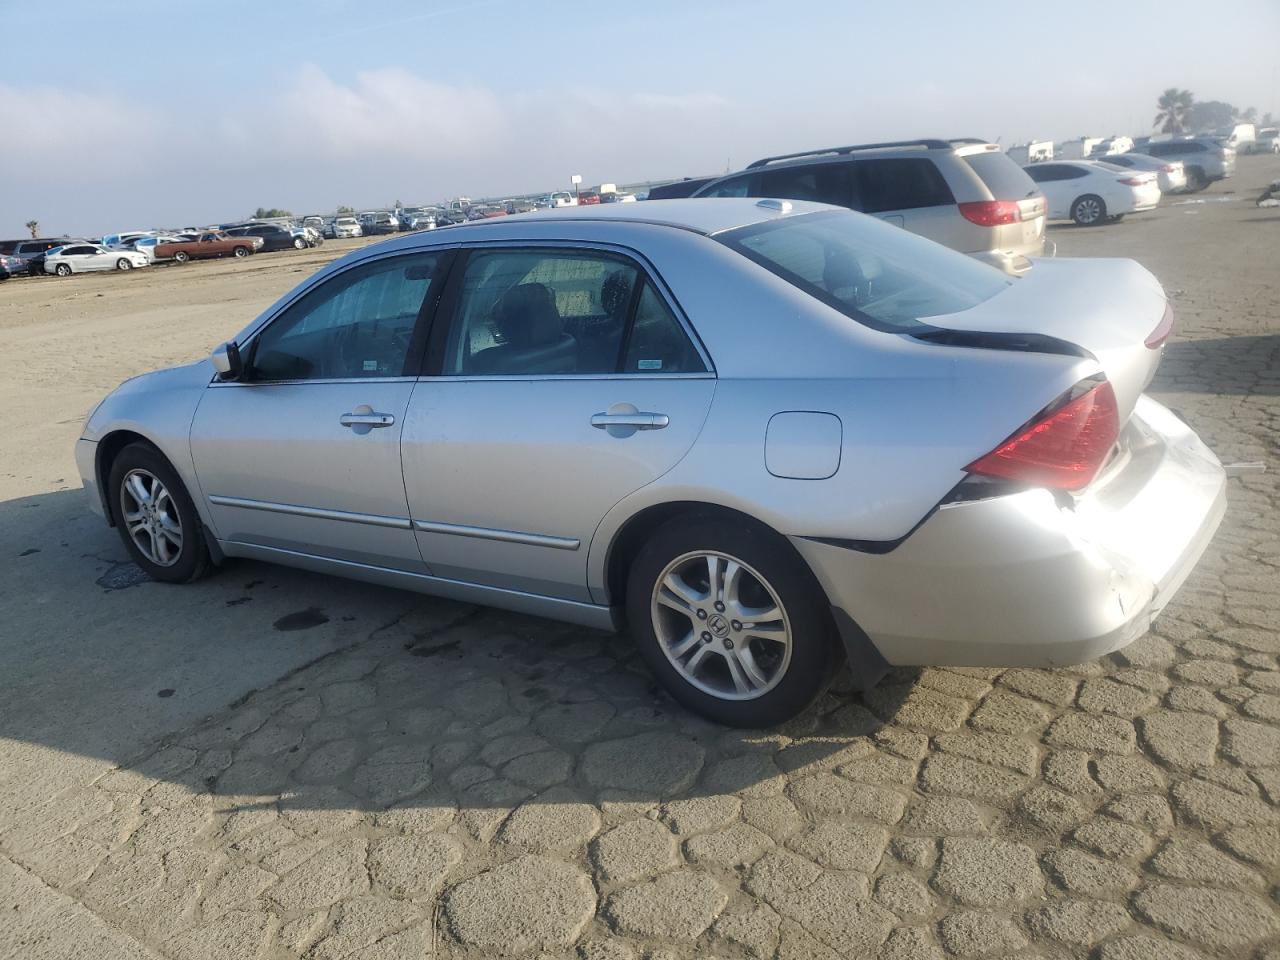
878, 274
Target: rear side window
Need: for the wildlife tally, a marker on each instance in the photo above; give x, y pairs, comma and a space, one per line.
733, 187
904, 183
880, 275
1004, 178
822, 182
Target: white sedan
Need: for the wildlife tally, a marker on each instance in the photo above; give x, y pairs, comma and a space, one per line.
1171, 175
87, 257
1091, 192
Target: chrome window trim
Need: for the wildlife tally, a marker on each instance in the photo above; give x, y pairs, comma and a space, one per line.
649, 271
315, 513
503, 536
527, 377
308, 383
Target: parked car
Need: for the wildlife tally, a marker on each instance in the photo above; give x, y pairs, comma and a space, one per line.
208, 246
588, 197
379, 223
1240, 137
11, 266
147, 246
32, 252
616, 197
88, 257
117, 241
1171, 175
1205, 159
1091, 192
558, 199
274, 236
345, 227
966, 194
1268, 140
750, 497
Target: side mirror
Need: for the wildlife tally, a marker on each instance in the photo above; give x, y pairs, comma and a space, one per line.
226, 361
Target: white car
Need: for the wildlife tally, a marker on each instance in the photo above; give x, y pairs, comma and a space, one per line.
86, 257
1171, 175
1268, 140
553, 200
1091, 192
346, 227
147, 246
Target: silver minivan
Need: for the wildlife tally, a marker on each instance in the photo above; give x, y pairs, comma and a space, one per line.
966, 194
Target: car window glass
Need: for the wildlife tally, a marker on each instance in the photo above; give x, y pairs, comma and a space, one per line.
875, 273
1074, 173
900, 183
528, 313
1004, 178
657, 343
822, 182
357, 324
735, 187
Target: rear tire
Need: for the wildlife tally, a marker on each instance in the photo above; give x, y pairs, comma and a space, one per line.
708, 659
149, 529
1196, 180
63, 269
1089, 210
182, 256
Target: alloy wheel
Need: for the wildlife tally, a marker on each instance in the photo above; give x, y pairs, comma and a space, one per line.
151, 517
721, 625
1088, 210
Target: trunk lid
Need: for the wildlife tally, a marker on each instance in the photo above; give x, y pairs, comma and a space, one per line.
1102, 308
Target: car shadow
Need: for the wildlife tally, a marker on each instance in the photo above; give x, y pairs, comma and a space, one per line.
267, 688
1242, 366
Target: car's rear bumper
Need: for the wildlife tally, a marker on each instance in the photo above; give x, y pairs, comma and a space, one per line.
1023, 580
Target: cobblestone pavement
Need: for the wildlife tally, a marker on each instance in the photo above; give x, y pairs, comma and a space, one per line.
467, 783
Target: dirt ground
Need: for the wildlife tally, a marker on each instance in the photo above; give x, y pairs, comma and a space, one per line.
276, 764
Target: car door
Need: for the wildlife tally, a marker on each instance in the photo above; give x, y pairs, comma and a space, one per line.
101, 259
561, 379
302, 453
79, 258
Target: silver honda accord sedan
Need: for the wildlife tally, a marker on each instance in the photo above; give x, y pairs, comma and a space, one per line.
764, 435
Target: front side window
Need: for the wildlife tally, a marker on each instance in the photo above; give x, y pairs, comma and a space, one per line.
877, 274
823, 183
735, 187
559, 312
900, 183
355, 325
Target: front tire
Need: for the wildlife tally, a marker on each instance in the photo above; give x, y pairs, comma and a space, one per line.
299, 243
241, 251
123, 264
1089, 210
155, 516
731, 621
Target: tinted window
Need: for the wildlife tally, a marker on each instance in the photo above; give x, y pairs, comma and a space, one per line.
1049, 172
1120, 161
657, 343
1004, 178
732, 187
524, 313
78, 251
899, 184
357, 324
877, 274
824, 182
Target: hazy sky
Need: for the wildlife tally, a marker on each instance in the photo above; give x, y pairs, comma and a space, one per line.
124, 116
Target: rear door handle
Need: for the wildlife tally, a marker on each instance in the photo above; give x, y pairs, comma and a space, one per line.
636, 421
366, 419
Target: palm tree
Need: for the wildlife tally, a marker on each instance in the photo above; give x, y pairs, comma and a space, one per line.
1173, 106
34, 227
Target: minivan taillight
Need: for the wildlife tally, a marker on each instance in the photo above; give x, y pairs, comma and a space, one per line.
1065, 447
991, 213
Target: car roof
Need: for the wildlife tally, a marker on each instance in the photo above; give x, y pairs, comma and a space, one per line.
706, 215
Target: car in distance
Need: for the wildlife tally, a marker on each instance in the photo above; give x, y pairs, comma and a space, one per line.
88, 257
1204, 158
32, 252
208, 246
273, 236
929, 462
966, 194
147, 245
1268, 140
342, 228
1171, 175
11, 266
1092, 192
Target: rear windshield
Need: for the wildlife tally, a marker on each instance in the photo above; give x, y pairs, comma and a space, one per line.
1004, 178
878, 274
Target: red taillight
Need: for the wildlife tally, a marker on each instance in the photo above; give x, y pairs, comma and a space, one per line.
1135, 181
1164, 329
1065, 448
991, 213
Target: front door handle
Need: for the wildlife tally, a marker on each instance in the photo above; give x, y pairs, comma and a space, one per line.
366, 419
634, 421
